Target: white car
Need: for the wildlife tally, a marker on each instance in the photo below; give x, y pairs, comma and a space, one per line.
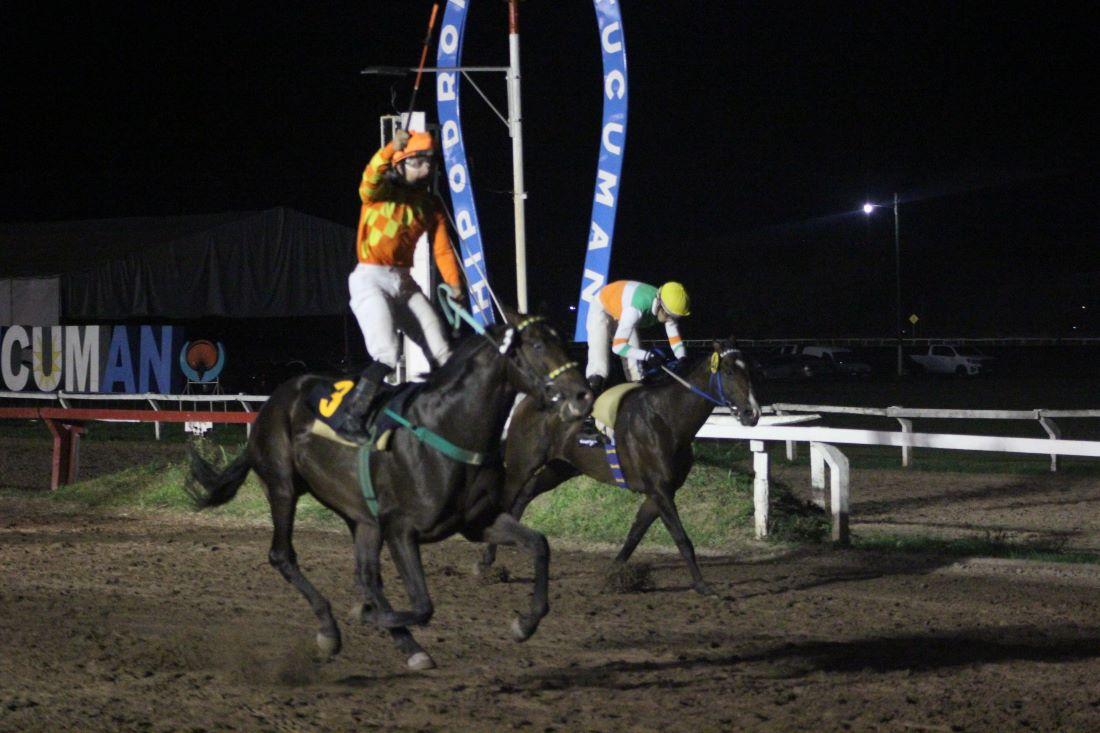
951, 359
843, 359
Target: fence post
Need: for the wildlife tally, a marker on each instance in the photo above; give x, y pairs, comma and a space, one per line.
838, 490
760, 486
1054, 433
817, 477
792, 447
906, 451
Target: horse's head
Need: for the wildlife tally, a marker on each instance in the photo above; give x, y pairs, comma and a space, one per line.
539, 366
730, 376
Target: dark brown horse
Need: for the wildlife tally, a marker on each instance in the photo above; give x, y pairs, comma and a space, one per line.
423, 495
654, 430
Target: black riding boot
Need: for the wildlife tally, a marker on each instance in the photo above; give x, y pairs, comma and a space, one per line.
358, 401
589, 433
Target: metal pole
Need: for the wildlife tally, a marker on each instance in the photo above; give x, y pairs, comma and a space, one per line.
897, 271
515, 128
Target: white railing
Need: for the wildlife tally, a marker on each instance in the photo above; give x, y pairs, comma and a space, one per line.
906, 415
823, 452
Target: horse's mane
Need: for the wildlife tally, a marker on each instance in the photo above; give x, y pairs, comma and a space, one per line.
461, 352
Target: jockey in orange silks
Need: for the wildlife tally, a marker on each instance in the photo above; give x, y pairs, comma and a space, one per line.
397, 208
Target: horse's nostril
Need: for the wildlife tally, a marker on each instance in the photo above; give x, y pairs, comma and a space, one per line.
585, 396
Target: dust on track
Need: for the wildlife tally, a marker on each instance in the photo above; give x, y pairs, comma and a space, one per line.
145, 622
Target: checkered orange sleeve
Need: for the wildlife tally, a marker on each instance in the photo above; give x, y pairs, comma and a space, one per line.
372, 176
444, 254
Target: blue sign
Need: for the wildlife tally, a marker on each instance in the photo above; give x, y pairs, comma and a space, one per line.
612, 142
454, 159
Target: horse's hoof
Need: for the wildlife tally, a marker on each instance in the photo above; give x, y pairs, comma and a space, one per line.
357, 612
704, 588
519, 632
479, 569
420, 661
329, 646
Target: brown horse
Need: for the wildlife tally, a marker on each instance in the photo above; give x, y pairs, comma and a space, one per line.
422, 494
654, 430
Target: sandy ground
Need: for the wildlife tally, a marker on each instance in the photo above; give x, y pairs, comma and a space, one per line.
113, 622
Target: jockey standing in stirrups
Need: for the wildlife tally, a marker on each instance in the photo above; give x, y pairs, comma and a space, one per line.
622, 307
397, 209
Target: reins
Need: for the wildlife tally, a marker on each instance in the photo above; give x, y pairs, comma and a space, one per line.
715, 377
453, 312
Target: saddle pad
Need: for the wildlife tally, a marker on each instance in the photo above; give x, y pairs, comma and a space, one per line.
607, 404
322, 430
326, 400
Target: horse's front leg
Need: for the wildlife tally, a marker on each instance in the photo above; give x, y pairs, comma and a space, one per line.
406, 556
367, 537
671, 518
506, 530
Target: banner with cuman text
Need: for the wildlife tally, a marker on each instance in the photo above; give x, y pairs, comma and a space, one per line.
454, 160
115, 359
597, 259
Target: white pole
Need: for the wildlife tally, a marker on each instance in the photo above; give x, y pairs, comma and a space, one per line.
515, 128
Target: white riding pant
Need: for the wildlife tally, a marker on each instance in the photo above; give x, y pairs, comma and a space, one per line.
385, 298
601, 327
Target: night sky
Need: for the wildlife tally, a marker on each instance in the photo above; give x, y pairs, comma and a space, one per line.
756, 131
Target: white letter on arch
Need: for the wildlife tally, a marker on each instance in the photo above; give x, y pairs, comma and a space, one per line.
615, 84
605, 37
609, 128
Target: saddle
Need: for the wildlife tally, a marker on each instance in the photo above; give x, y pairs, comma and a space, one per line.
326, 402
606, 408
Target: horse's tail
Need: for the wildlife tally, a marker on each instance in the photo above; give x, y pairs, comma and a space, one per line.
216, 487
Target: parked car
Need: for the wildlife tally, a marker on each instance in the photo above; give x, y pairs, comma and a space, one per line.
791, 366
843, 359
953, 359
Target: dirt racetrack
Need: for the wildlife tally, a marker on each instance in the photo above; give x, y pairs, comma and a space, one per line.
158, 622
117, 623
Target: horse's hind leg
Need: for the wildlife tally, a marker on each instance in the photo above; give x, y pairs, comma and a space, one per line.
368, 576
537, 485
283, 500
506, 530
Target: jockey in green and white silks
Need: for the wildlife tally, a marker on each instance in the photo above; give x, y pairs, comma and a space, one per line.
616, 314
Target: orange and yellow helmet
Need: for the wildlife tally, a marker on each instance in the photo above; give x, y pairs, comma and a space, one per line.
420, 144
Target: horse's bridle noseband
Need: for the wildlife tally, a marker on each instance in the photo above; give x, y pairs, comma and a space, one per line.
508, 344
453, 312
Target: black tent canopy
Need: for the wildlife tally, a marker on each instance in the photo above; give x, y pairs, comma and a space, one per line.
273, 263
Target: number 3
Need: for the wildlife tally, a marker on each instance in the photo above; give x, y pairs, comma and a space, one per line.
329, 404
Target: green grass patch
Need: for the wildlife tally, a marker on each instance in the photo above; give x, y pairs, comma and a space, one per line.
159, 487
715, 503
715, 506
988, 545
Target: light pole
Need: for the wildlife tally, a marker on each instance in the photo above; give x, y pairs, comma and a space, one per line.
868, 208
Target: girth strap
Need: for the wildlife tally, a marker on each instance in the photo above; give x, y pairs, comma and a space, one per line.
614, 465
437, 441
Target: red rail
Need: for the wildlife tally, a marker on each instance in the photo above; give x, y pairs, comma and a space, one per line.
67, 424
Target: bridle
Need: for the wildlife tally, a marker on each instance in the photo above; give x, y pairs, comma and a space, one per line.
508, 346
714, 384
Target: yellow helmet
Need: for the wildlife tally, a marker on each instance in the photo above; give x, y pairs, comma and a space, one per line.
674, 299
